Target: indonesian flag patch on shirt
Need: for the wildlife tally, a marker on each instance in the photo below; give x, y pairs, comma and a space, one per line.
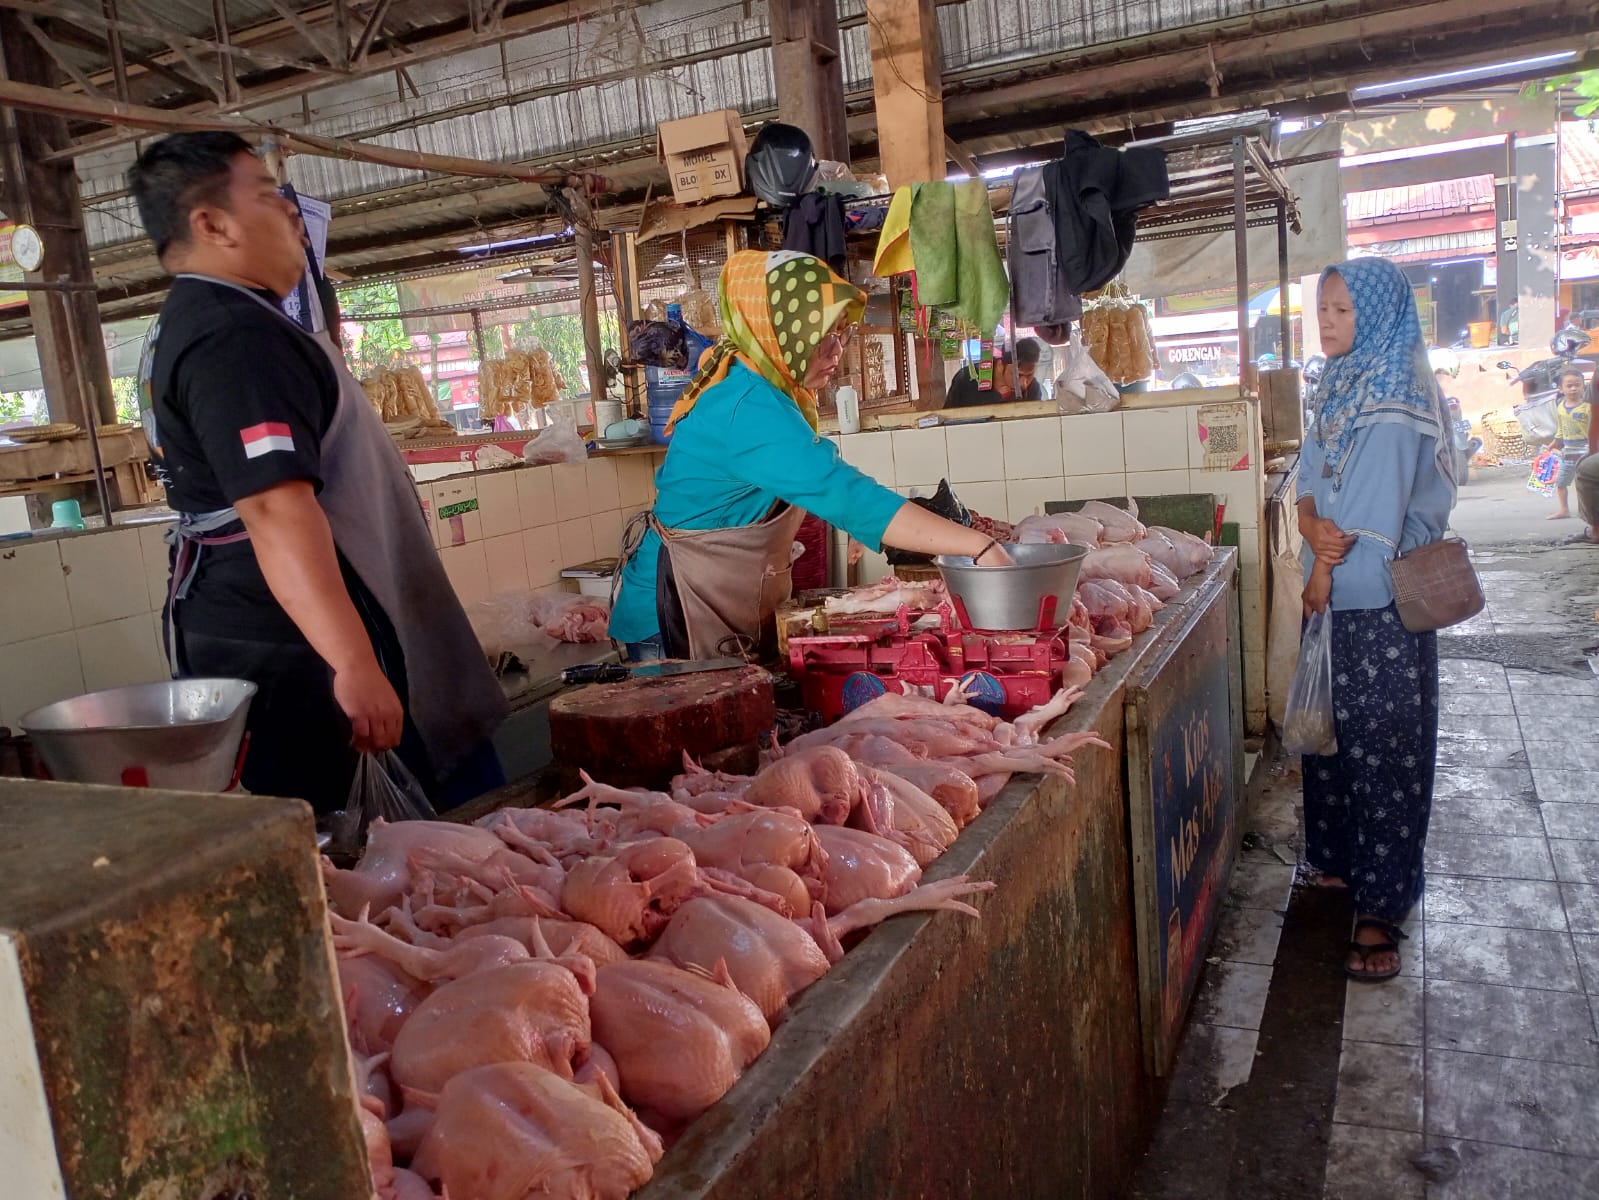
266, 437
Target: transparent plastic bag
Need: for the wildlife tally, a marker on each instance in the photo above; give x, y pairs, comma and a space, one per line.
383, 788
558, 442
1308, 725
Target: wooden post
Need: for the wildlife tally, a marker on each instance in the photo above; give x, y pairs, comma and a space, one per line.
907, 84
45, 195
810, 77
624, 282
587, 300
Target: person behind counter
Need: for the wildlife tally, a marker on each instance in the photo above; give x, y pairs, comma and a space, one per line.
706, 570
1377, 479
1010, 383
302, 561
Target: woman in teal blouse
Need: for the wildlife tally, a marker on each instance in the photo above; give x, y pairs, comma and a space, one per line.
707, 568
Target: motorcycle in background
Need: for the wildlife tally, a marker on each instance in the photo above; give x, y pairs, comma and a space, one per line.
1536, 412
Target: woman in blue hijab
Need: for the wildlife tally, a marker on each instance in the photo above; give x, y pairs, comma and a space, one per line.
1376, 480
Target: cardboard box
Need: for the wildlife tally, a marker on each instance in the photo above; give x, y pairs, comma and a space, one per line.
704, 155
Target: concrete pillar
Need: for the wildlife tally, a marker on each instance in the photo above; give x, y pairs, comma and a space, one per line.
1537, 242
1505, 292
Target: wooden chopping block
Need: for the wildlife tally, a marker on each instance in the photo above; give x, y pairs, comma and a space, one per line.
170, 1024
635, 733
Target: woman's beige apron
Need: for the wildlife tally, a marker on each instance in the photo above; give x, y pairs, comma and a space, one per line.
730, 583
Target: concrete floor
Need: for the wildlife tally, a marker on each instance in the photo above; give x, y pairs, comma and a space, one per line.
1476, 1073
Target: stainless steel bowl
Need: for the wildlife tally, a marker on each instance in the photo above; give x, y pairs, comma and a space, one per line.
1009, 597
182, 735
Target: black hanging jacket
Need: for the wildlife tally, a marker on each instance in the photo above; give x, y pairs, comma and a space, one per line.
1094, 194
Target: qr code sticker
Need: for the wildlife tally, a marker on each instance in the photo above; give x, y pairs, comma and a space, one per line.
1225, 437
1224, 440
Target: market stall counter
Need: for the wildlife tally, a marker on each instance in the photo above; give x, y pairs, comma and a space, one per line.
1011, 1055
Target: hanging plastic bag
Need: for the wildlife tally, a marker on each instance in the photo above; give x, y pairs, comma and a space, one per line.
943, 503
383, 788
1537, 418
1081, 386
1308, 726
557, 442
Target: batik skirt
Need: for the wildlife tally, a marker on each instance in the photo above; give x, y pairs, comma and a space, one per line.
1366, 806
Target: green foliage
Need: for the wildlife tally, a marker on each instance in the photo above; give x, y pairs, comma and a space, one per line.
1585, 85
381, 345
17, 406
125, 391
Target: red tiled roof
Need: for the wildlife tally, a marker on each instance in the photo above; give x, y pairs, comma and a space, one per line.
1579, 157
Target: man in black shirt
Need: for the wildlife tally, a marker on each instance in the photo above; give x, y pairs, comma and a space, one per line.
1018, 382
239, 404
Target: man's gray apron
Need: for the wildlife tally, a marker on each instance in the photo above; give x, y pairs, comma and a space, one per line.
376, 518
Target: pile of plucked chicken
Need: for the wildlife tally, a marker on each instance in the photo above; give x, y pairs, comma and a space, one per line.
540, 1002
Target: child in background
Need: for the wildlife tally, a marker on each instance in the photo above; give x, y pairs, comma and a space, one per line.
1573, 414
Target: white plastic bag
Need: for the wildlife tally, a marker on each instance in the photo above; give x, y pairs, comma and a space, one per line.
1537, 418
558, 442
1081, 387
1308, 724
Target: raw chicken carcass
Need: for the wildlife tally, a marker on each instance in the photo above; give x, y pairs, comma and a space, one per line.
773, 848
427, 964
680, 1040
1118, 525
630, 895
819, 782
511, 1131
1127, 565
907, 706
886, 597
378, 997
1078, 669
1060, 527
953, 788
527, 1012
1193, 554
385, 871
910, 816
863, 866
769, 958
1163, 584
564, 938
408, 1185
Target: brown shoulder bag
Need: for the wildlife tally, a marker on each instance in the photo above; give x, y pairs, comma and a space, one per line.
1435, 586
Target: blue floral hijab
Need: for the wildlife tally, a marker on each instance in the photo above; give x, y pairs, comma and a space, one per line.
1386, 375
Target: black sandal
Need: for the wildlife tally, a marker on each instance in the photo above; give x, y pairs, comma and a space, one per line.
1364, 950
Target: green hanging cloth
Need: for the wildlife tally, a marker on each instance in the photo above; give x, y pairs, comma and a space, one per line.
958, 265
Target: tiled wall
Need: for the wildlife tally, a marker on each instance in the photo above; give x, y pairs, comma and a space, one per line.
78, 614
530, 522
1010, 469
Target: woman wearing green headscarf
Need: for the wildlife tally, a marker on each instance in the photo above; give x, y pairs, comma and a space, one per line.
708, 567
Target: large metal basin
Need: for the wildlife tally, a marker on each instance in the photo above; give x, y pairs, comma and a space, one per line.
181, 735
1009, 597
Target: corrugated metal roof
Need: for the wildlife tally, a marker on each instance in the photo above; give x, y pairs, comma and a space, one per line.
600, 86
1430, 249
1471, 194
